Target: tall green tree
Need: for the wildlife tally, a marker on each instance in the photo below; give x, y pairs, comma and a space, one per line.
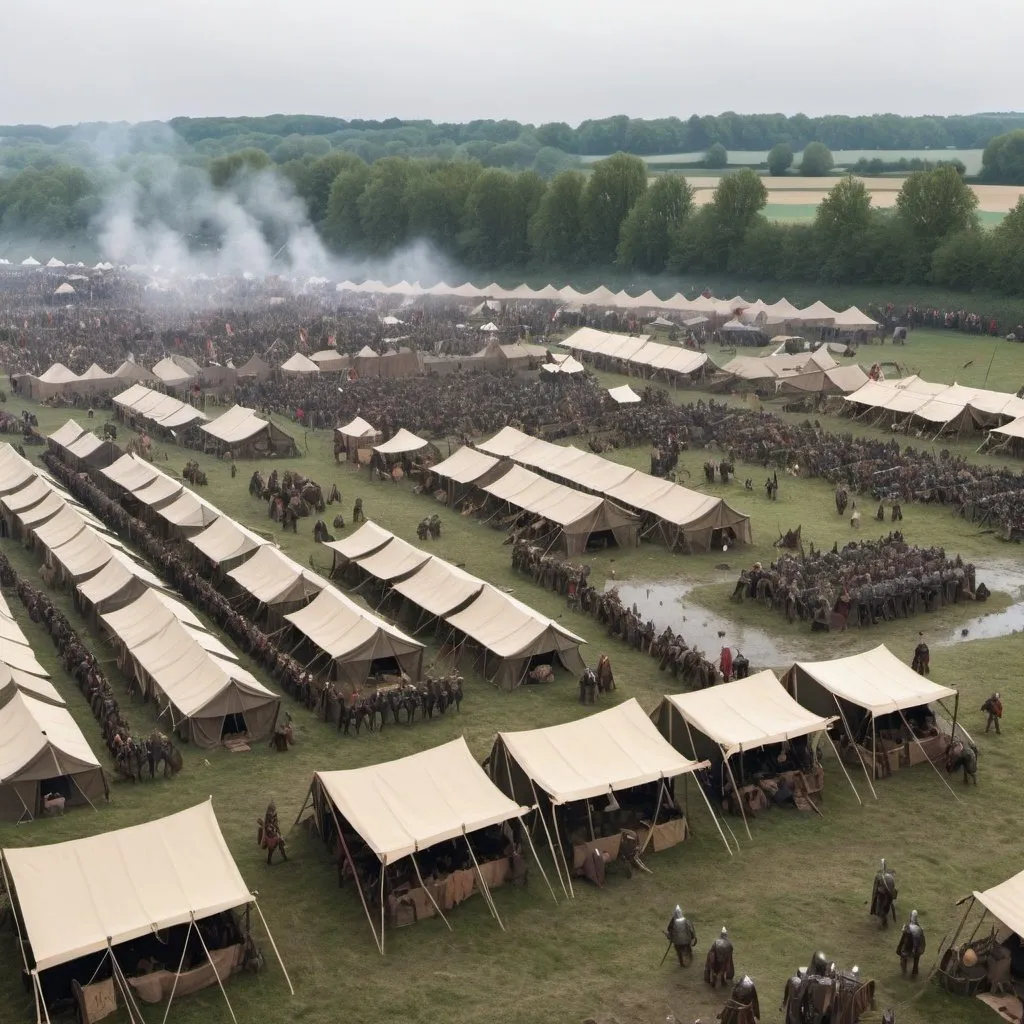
716, 156
1007, 263
647, 232
556, 231
225, 169
1003, 160
780, 159
382, 210
436, 202
343, 226
317, 178
816, 160
934, 204
614, 185
497, 217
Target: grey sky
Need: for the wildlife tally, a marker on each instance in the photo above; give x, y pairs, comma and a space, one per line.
532, 60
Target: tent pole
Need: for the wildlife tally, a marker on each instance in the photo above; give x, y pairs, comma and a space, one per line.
40, 1001
305, 804
590, 822
533, 850
177, 975
17, 925
216, 973
383, 872
568, 875
739, 797
849, 732
483, 885
693, 751
956, 712
956, 935
874, 745
430, 895
657, 811
273, 945
843, 767
928, 759
714, 818
355, 875
551, 845
82, 791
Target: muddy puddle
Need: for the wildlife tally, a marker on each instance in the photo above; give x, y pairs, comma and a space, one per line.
668, 603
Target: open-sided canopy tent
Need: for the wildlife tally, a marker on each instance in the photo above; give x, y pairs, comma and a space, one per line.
512, 636
864, 688
357, 433
120, 886
225, 542
271, 578
401, 808
402, 443
354, 638
576, 515
245, 433
41, 743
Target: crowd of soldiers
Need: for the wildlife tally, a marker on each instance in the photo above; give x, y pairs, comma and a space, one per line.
861, 584
315, 693
620, 621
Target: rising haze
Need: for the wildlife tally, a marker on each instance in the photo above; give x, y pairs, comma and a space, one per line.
456, 60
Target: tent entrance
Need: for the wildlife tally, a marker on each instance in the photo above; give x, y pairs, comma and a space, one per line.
598, 540
724, 538
234, 725
385, 667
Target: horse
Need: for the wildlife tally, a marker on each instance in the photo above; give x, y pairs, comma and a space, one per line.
161, 749
965, 756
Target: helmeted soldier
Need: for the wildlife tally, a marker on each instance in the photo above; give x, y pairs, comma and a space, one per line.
993, 707
911, 945
742, 1006
883, 895
922, 658
819, 965
682, 935
269, 834
718, 965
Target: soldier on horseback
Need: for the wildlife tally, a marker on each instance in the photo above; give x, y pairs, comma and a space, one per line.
682, 936
911, 945
883, 895
269, 835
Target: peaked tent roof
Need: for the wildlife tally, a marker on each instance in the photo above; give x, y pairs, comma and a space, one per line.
298, 363
611, 750
273, 578
439, 587
1005, 902
224, 540
407, 805
357, 427
747, 713
67, 434
236, 425
367, 539
393, 561
122, 885
403, 441
59, 374
465, 465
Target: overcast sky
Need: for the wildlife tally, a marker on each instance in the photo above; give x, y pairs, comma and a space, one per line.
531, 60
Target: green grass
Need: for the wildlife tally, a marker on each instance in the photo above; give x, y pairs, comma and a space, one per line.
802, 883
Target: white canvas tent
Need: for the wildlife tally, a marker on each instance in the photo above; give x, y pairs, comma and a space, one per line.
623, 395
119, 887
402, 443
40, 743
465, 469
368, 538
246, 434
873, 692
273, 579
299, 364
226, 542
400, 808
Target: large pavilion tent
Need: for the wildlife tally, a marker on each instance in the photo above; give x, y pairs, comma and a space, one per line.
271, 579
402, 808
876, 693
56, 380
649, 357
574, 515
755, 368
353, 638
245, 434
43, 752
841, 380
594, 758
403, 443
683, 518
725, 722
141, 405
148, 885
852, 319
466, 469
512, 637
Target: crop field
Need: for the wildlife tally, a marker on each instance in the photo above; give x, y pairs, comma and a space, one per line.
801, 883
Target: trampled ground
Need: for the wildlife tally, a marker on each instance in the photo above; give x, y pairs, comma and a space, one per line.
802, 882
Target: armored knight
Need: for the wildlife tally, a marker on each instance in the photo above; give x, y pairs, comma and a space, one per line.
718, 965
883, 895
682, 935
911, 945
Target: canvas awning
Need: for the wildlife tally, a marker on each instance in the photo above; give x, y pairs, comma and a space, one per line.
404, 806
590, 757
393, 561
624, 395
238, 424
29, 495
122, 885
367, 539
67, 434
188, 512
161, 490
224, 540
465, 466
357, 428
64, 526
439, 587
737, 716
130, 472
875, 680
271, 577
14, 680
83, 555
1005, 902
115, 578
404, 441
19, 657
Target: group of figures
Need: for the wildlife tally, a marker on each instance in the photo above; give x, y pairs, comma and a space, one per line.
317, 694
620, 621
816, 994
290, 496
911, 945
861, 584
134, 756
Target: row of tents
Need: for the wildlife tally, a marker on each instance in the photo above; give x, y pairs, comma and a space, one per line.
638, 355
507, 637
597, 495
578, 785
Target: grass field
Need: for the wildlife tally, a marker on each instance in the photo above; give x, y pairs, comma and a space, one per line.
802, 882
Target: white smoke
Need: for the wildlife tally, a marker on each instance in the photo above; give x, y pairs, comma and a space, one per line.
163, 213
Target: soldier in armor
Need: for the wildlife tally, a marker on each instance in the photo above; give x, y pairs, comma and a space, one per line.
588, 686
269, 834
911, 945
742, 1006
718, 965
922, 658
883, 895
682, 935
993, 707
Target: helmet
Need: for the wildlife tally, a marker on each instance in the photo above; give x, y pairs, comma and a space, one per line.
678, 912
913, 917
883, 865
725, 933
819, 964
